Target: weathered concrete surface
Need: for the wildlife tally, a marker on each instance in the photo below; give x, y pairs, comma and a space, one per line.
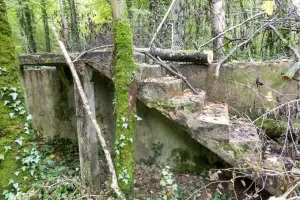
50, 102
237, 84
180, 151
105, 108
153, 89
86, 133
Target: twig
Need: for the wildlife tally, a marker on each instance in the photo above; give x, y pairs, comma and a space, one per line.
230, 29
286, 42
162, 22
216, 75
87, 108
278, 107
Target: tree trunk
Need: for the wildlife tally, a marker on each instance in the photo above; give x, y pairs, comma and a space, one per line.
23, 28
125, 95
65, 26
76, 46
218, 26
178, 26
10, 129
199, 57
30, 30
46, 26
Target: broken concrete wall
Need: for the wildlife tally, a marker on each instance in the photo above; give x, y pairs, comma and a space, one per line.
50, 102
237, 84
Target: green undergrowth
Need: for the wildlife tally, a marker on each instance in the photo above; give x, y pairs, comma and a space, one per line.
125, 132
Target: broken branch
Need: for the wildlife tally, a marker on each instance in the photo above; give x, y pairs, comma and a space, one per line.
175, 73
195, 56
291, 72
87, 108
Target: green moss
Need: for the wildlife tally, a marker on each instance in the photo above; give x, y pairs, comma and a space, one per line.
10, 129
271, 127
125, 131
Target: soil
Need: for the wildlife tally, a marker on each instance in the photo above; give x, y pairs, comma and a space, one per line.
192, 186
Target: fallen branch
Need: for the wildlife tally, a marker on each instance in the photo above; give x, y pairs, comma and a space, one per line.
195, 56
172, 71
289, 74
286, 42
232, 51
87, 108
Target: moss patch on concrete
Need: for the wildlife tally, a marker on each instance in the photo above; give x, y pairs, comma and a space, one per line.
187, 161
125, 131
272, 128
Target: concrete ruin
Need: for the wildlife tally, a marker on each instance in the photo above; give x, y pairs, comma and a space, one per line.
195, 130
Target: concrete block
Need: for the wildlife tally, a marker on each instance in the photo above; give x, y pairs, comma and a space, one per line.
151, 71
159, 89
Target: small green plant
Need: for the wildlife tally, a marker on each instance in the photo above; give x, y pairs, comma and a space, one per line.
157, 152
170, 189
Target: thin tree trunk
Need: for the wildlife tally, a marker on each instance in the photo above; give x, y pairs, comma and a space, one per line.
125, 95
64, 23
30, 30
76, 46
218, 26
178, 26
46, 26
23, 28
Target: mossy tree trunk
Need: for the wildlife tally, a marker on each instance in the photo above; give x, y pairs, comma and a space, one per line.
25, 17
125, 92
46, 26
10, 129
30, 30
74, 27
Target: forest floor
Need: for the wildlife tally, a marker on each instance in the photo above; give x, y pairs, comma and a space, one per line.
61, 157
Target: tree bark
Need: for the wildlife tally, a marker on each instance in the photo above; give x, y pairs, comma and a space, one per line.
23, 28
64, 22
30, 30
76, 46
46, 26
198, 57
218, 26
125, 95
178, 26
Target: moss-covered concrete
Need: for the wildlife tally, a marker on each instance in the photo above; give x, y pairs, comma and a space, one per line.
10, 129
272, 128
125, 131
